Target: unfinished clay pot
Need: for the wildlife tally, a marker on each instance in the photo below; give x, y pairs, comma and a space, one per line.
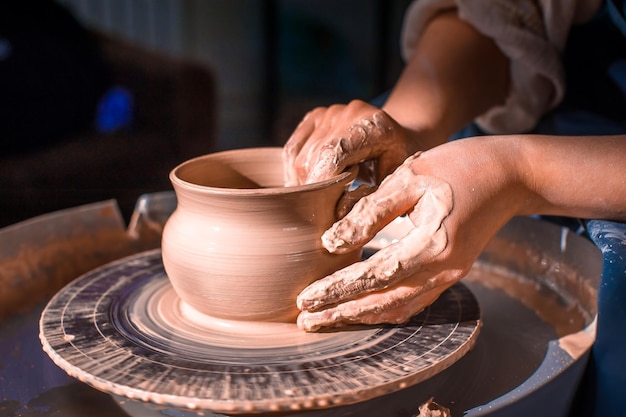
240, 245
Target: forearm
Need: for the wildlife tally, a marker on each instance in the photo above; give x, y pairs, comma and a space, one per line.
574, 176
454, 75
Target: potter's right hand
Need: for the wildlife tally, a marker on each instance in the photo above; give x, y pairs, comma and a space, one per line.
456, 196
330, 139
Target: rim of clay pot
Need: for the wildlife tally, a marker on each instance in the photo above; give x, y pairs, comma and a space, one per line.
346, 176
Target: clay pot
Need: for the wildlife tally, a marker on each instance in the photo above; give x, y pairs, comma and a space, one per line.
240, 245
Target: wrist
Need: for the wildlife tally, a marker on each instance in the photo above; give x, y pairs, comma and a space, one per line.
575, 176
522, 175
422, 130
512, 173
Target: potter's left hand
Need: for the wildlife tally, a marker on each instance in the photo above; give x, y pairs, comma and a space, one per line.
330, 139
455, 205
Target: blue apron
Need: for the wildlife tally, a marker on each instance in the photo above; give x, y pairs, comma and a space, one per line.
595, 104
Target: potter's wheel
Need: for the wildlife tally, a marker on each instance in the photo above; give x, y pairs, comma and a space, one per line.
123, 330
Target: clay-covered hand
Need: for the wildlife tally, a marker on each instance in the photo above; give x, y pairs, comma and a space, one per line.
456, 195
330, 139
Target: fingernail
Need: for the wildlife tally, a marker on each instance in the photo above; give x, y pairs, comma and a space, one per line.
305, 324
307, 300
334, 239
333, 243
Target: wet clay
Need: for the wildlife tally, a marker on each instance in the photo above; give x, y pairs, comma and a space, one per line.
429, 198
568, 310
237, 252
565, 319
432, 409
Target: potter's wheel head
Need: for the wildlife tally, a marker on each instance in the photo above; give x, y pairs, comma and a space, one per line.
122, 329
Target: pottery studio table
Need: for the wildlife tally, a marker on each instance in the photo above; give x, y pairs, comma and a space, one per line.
535, 284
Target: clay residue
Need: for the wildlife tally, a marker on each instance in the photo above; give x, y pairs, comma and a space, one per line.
429, 200
566, 317
432, 409
576, 344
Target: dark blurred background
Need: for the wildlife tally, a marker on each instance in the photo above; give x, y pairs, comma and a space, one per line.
100, 99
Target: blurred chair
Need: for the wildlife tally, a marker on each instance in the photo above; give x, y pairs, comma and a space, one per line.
173, 117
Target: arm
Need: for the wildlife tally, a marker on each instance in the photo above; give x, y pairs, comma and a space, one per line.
582, 176
454, 75
458, 195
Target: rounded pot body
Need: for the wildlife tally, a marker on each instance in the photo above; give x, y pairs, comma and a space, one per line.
241, 253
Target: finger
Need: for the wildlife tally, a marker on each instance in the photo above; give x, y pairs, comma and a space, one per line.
424, 242
394, 306
347, 283
387, 267
293, 147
